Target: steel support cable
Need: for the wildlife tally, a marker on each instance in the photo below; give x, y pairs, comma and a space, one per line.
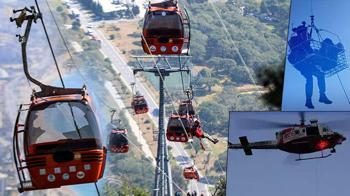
83, 76
50, 46
171, 97
320, 38
71, 56
165, 86
103, 102
172, 103
166, 89
233, 43
229, 36
61, 35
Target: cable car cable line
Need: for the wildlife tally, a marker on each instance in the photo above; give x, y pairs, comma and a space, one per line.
51, 99
172, 100
67, 48
49, 42
150, 160
233, 43
71, 56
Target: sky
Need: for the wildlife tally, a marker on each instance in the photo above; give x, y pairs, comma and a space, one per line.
275, 172
332, 16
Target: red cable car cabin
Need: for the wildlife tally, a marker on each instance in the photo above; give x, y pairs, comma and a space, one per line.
190, 173
166, 30
179, 128
186, 107
139, 104
58, 142
118, 142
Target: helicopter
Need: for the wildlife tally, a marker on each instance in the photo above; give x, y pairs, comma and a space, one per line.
298, 139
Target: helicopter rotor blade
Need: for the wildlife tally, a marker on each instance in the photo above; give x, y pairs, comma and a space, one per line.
341, 125
258, 124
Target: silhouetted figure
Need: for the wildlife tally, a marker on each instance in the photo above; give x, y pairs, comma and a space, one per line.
300, 44
312, 62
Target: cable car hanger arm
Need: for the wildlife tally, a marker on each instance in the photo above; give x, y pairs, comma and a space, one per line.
33, 16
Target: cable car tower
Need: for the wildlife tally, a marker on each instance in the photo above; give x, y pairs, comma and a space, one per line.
162, 66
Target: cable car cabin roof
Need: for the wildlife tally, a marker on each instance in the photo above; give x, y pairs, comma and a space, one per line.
61, 123
120, 131
71, 97
139, 100
163, 6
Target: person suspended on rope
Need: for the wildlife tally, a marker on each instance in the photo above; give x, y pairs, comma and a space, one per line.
300, 44
311, 62
330, 52
199, 133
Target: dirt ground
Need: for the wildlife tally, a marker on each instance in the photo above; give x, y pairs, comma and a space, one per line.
124, 38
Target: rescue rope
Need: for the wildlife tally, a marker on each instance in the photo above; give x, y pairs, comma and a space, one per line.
342, 86
98, 191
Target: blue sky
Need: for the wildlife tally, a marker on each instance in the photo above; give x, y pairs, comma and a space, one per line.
331, 15
276, 173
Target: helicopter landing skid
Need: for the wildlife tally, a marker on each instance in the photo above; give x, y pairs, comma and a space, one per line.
311, 158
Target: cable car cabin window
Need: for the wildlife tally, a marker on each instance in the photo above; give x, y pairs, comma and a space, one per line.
157, 25
140, 103
312, 131
118, 139
64, 121
186, 108
175, 125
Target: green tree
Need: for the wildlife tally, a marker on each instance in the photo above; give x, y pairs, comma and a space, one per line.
135, 10
128, 190
76, 25
220, 188
59, 8
214, 117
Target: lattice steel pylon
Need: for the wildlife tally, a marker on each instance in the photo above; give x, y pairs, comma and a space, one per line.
163, 184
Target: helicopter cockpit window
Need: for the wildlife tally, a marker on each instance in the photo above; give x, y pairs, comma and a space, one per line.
325, 129
160, 24
312, 130
61, 121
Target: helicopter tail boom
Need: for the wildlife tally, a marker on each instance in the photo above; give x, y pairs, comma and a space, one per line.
247, 147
